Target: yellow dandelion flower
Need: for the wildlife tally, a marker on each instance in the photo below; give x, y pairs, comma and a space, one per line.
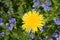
32, 21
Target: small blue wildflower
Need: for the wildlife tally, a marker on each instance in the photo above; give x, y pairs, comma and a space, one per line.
43, 5
44, 28
46, 8
40, 38
50, 38
1, 21
55, 35
12, 20
57, 21
58, 37
48, 3
36, 3
10, 27
32, 36
2, 34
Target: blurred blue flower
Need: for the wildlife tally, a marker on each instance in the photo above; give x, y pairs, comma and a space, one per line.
40, 38
32, 36
48, 3
57, 21
58, 37
12, 20
50, 38
36, 3
44, 28
2, 34
46, 8
43, 5
10, 27
1, 21
55, 35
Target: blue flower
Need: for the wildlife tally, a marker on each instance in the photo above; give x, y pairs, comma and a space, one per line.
44, 28
1, 21
58, 37
2, 34
48, 3
50, 38
10, 27
32, 36
57, 21
43, 5
55, 35
40, 38
46, 8
36, 3
12, 20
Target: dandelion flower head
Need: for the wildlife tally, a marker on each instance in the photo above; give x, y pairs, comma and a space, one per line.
32, 20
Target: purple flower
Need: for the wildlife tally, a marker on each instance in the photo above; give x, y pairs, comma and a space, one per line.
32, 36
55, 35
2, 34
57, 21
12, 20
10, 27
36, 3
